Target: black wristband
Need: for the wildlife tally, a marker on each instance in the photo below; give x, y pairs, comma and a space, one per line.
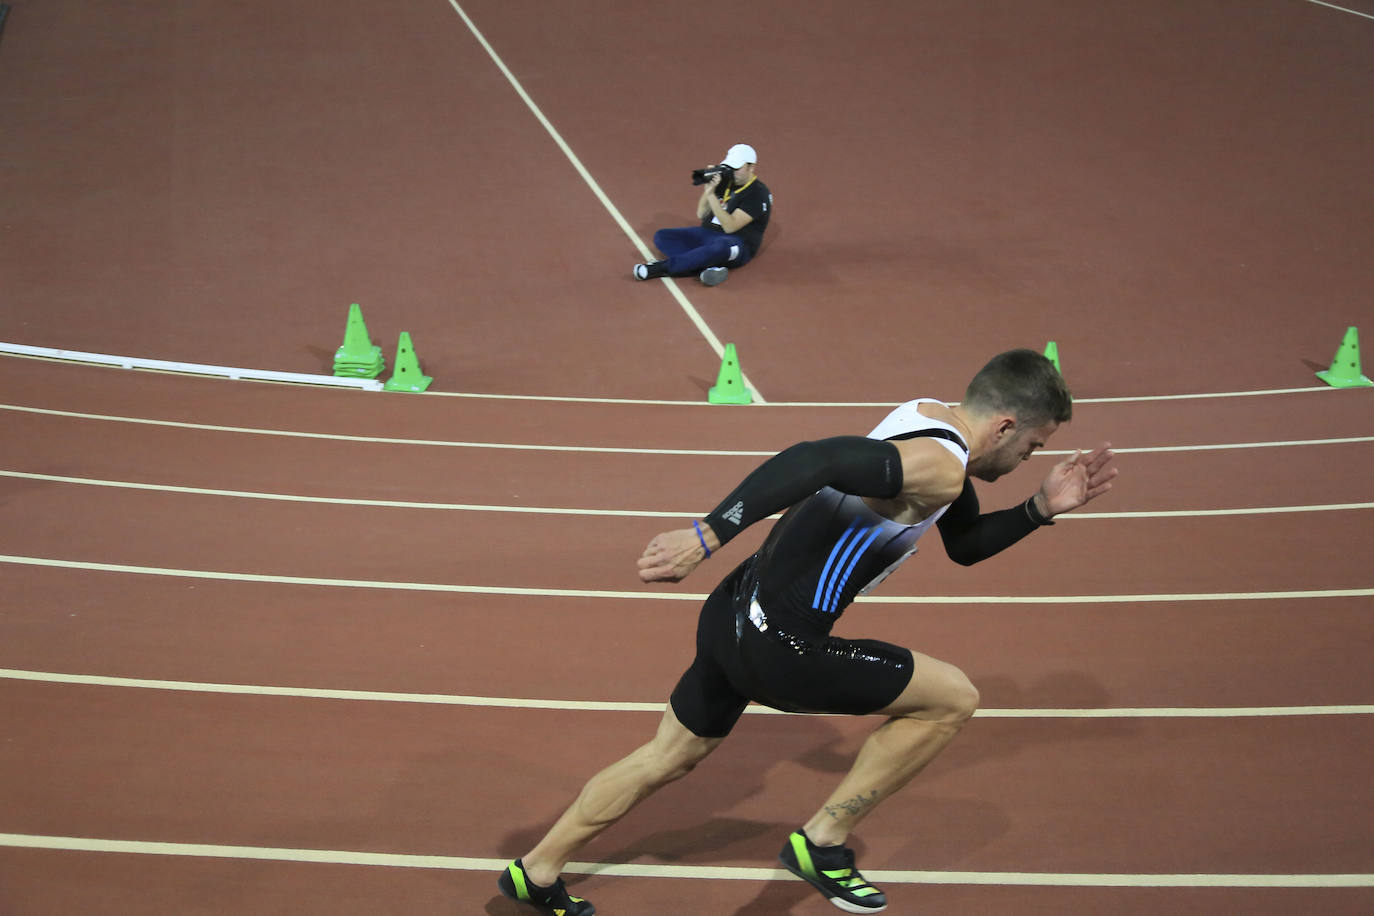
1033, 513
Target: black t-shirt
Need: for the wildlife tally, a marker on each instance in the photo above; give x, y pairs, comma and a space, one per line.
756, 200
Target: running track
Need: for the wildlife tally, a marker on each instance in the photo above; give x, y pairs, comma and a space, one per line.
281, 649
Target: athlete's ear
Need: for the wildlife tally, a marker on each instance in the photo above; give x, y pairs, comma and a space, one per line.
1005, 428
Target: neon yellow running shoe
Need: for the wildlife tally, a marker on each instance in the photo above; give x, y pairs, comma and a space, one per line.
555, 900
830, 870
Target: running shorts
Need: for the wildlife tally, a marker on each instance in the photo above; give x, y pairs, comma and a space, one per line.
742, 655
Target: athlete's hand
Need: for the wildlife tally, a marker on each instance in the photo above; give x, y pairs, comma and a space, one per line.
1078, 479
671, 555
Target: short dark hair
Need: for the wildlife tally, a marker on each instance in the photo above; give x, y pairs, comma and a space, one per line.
1023, 383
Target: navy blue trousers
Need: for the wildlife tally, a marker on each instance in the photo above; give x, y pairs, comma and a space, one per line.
691, 249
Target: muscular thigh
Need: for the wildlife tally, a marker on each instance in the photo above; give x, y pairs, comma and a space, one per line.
820, 675
706, 699
936, 690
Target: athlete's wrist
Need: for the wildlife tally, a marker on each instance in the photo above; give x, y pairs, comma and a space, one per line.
1037, 509
707, 536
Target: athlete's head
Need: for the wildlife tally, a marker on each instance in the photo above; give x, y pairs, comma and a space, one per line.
1022, 383
1021, 398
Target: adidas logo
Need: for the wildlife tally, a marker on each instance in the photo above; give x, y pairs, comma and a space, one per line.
735, 515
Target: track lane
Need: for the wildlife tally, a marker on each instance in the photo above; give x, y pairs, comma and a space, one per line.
124, 885
326, 774
181, 531
1265, 653
105, 391
60, 446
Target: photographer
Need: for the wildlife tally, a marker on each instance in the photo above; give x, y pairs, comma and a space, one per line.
733, 209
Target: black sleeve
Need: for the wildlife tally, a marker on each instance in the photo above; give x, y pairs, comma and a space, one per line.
850, 464
970, 537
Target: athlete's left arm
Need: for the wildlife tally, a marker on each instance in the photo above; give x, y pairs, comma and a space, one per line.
970, 536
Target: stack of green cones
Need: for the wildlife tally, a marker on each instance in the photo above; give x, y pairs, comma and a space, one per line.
358, 357
356, 365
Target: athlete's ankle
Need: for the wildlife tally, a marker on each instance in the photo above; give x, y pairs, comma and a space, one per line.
822, 837
541, 873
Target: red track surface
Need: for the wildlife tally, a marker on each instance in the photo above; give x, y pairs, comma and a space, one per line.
1174, 192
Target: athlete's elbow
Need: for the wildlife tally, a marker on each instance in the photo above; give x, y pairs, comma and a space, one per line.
962, 550
963, 557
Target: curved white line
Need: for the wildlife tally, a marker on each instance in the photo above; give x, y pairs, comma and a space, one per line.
739, 873
1341, 8
608, 513
441, 699
612, 450
664, 402
667, 595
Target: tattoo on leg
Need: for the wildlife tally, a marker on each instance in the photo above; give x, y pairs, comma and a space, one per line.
853, 807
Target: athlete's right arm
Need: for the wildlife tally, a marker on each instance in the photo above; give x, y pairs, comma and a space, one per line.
850, 464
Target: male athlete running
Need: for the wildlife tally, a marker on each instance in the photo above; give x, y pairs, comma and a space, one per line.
857, 507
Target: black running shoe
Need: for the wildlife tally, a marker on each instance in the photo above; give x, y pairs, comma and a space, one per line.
830, 870
516, 885
651, 270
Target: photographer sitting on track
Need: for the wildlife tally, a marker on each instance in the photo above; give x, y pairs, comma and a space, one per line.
733, 209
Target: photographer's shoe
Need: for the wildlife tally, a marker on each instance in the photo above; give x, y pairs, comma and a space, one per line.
651, 270
830, 870
714, 276
555, 900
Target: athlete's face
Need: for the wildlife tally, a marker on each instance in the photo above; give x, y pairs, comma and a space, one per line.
1017, 443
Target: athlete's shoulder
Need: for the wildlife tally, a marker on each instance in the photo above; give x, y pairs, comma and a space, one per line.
918, 416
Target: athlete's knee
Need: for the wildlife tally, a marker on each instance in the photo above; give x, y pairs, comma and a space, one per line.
965, 700
960, 699
951, 700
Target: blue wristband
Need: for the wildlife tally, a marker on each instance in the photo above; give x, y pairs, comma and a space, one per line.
701, 537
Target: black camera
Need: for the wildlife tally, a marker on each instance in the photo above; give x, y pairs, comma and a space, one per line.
701, 176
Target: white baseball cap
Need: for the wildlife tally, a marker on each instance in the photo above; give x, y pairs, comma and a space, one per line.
738, 155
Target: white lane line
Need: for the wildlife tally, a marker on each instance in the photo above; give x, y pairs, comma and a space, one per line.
1223, 446
719, 872
1341, 8
345, 501
442, 699
1199, 513
692, 314
667, 595
870, 404
888, 405
608, 513
179, 368
613, 450
382, 440
659, 402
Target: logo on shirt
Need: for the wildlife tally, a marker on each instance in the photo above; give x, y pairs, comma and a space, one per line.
735, 514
